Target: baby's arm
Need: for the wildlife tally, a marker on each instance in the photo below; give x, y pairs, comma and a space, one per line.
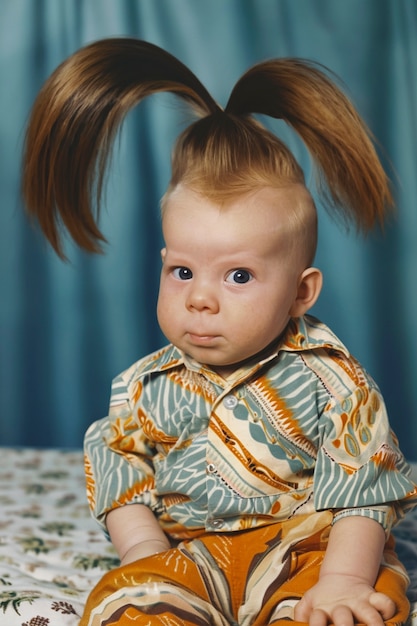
345, 592
135, 533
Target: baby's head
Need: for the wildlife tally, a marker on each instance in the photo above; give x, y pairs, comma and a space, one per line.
236, 208
240, 230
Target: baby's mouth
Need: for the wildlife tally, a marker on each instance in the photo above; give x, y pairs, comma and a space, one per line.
201, 339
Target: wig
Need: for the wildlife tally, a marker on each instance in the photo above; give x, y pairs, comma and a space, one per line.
223, 153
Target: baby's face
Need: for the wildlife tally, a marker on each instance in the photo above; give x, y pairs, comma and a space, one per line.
230, 274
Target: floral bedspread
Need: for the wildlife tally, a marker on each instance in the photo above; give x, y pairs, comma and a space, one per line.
51, 551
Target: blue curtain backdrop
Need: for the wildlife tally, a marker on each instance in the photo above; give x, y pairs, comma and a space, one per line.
67, 329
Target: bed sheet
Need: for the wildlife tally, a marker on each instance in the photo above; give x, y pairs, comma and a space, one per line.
52, 552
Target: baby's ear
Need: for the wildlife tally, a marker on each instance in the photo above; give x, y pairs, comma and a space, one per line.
163, 254
309, 287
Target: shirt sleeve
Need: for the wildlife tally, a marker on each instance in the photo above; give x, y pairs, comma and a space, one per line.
360, 469
118, 456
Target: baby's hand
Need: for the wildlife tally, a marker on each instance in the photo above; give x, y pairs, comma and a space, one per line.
343, 600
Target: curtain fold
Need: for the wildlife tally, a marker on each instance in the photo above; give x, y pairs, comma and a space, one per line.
67, 328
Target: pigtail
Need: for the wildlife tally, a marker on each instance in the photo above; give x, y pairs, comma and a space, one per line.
351, 178
73, 124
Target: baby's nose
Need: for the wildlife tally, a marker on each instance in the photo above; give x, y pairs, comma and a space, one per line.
202, 296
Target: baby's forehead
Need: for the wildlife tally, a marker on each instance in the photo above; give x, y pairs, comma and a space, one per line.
281, 215
284, 199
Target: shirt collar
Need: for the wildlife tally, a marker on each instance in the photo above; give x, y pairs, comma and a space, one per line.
308, 333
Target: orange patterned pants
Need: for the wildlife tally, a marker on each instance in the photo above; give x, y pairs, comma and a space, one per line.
253, 577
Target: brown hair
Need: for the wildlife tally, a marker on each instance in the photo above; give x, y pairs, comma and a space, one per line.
225, 152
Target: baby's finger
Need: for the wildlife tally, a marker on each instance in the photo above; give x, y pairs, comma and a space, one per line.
342, 616
302, 610
318, 618
366, 613
383, 604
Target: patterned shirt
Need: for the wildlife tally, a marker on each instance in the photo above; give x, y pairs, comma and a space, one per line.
301, 431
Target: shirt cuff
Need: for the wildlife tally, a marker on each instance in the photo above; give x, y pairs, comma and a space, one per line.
381, 514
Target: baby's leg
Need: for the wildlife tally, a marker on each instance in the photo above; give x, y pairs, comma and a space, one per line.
162, 590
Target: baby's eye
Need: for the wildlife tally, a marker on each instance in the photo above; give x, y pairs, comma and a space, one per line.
239, 277
182, 273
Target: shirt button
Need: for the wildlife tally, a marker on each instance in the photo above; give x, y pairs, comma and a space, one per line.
217, 523
230, 402
211, 468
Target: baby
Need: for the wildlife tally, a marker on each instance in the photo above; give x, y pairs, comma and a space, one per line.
247, 472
